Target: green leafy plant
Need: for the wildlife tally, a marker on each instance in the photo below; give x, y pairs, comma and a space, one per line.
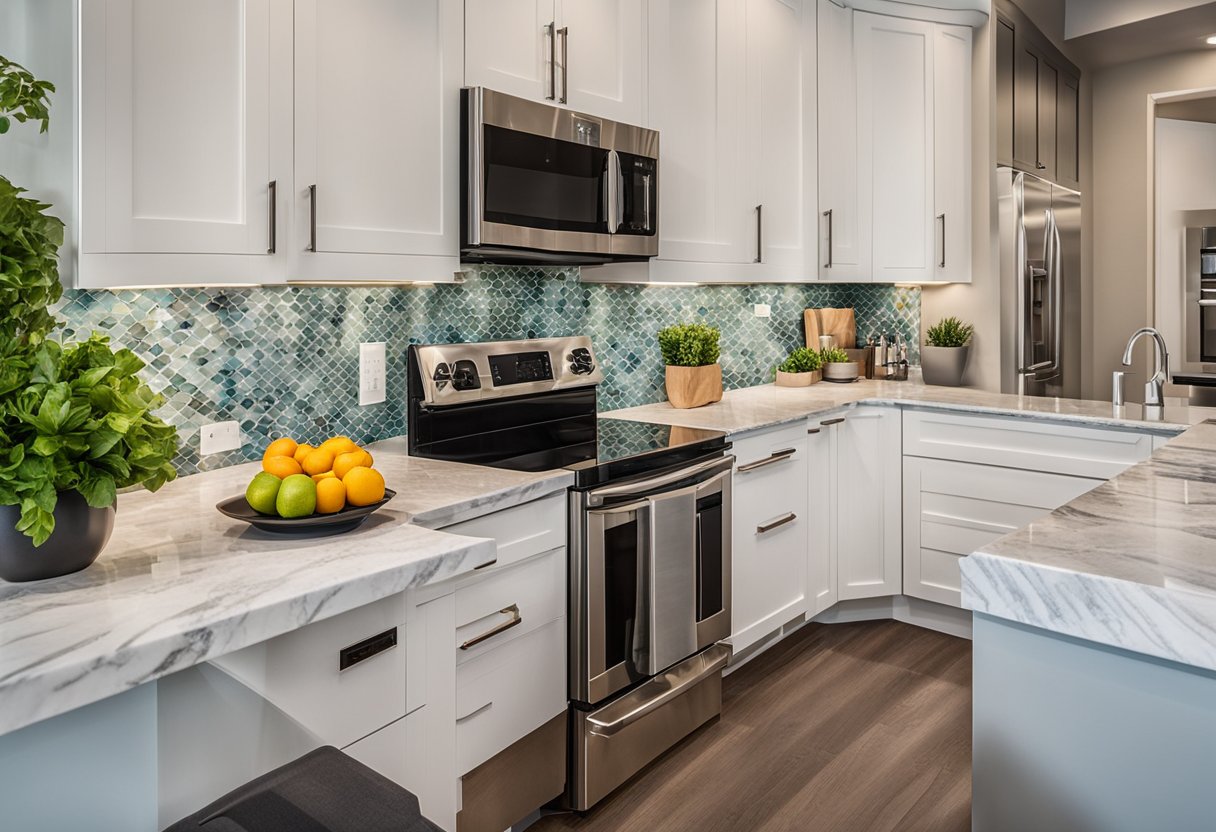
689, 345
801, 360
950, 332
72, 416
835, 355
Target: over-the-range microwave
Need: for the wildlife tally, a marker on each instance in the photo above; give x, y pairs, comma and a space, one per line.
543, 184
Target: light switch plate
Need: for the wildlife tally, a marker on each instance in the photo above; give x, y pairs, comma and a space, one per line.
763, 310
219, 437
371, 373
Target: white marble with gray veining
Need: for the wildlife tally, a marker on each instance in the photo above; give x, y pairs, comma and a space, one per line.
179, 583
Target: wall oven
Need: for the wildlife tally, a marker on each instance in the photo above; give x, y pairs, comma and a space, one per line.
1199, 318
650, 603
543, 184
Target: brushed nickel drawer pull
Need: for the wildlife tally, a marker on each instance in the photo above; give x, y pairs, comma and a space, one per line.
812, 430
777, 456
472, 714
516, 620
830, 422
776, 524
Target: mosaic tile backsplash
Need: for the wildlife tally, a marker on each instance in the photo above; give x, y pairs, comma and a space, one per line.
284, 360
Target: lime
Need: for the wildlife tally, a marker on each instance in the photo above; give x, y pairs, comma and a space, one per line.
297, 497
262, 492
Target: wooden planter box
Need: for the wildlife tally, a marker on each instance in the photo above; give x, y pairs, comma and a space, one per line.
798, 379
694, 386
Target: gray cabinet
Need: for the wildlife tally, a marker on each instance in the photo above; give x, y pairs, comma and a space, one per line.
1037, 101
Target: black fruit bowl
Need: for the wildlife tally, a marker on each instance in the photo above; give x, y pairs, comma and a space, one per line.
318, 524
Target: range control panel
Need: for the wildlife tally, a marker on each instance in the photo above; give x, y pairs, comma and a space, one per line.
520, 368
461, 373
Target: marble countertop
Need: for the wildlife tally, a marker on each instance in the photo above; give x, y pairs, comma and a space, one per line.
754, 408
179, 583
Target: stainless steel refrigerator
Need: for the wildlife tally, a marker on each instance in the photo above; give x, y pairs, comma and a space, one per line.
1040, 264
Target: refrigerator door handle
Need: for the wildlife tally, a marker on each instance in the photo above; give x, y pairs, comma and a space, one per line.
1057, 266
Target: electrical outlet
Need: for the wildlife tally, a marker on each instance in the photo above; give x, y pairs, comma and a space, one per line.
763, 310
371, 373
219, 437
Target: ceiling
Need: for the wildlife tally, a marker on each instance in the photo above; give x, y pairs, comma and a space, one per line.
1183, 30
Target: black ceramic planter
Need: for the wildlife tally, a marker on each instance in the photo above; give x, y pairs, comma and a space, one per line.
81, 532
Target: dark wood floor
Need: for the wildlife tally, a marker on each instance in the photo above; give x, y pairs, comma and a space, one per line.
840, 727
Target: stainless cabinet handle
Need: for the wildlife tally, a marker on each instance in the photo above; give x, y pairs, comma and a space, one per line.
776, 524
777, 456
812, 430
272, 216
830, 422
828, 214
515, 621
942, 263
1207, 302
312, 217
564, 32
652, 695
551, 34
474, 713
759, 233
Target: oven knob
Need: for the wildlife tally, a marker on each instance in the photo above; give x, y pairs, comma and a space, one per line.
442, 375
464, 376
581, 363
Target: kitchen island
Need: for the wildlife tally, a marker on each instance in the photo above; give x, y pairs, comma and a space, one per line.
180, 586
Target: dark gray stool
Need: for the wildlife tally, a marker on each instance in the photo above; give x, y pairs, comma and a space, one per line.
323, 791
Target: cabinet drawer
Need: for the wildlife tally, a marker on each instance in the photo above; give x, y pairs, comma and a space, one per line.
520, 532
952, 509
1022, 443
532, 593
301, 672
770, 477
506, 693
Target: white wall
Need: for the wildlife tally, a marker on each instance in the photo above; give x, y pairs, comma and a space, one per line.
1185, 182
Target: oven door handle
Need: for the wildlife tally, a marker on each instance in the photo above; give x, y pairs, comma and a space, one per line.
641, 489
678, 681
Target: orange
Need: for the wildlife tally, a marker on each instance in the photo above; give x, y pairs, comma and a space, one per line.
280, 447
354, 459
302, 451
364, 486
331, 496
281, 466
318, 461
338, 445
328, 475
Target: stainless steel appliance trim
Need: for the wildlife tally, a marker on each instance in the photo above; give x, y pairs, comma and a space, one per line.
550, 122
564, 34
272, 216
551, 33
671, 578
640, 488
312, 217
515, 620
579, 242
828, 215
656, 693
786, 519
612, 192
716, 627
783, 455
476, 188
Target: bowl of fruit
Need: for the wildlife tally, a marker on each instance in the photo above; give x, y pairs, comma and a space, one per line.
303, 489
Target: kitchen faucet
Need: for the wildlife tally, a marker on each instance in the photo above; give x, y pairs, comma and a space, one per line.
1154, 395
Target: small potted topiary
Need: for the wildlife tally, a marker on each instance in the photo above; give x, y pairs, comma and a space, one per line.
690, 353
943, 359
838, 367
800, 369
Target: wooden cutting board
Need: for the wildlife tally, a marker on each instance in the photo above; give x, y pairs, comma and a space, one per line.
839, 323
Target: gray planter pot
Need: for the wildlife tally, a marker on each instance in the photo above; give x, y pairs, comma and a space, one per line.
81, 532
943, 366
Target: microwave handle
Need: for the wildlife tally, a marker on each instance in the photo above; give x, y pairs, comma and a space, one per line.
612, 193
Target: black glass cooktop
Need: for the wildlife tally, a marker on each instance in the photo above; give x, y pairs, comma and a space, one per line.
623, 448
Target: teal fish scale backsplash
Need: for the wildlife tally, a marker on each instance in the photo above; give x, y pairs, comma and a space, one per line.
284, 360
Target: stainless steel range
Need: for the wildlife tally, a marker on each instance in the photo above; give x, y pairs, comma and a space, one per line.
649, 539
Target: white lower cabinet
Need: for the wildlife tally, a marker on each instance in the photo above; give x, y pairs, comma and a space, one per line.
769, 540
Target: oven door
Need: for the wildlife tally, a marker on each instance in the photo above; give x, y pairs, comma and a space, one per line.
656, 577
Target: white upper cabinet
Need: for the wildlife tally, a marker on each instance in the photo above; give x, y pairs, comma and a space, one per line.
377, 137
952, 153
181, 134
589, 55
845, 176
895, 131
697, 103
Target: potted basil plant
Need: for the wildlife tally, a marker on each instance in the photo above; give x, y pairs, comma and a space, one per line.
800, 368
690, 354
943, 359
76, 423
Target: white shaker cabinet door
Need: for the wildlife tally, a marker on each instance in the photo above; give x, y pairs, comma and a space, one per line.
952, 153
177, 143
697, 82
821, 548
601, 53
895, 131
868, 500
845, 173
377, 131
510, 46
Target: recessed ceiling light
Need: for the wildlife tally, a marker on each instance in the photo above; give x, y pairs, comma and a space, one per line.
1211, 40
